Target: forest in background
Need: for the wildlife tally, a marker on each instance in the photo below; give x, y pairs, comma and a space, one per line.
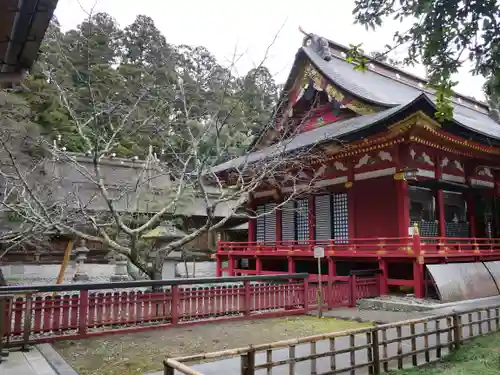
136, 66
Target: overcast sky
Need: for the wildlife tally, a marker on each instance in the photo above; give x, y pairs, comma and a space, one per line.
249, 27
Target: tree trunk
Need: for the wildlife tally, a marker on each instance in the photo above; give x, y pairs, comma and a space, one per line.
2, 279
194, 266
186, 268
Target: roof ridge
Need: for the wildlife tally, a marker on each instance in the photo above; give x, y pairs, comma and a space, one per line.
344, 49
424, 89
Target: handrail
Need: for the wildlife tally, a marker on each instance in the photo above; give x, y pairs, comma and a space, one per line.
296, 341
147, 283
171, 365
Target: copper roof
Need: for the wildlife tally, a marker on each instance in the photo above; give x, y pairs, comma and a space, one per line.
23, 24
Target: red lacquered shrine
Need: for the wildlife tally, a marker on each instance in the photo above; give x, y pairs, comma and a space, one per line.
376, 127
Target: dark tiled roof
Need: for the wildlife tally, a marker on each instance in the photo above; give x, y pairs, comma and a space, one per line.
311, 138
22, 27
382, 90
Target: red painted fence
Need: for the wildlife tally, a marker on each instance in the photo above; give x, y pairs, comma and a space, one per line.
37, 315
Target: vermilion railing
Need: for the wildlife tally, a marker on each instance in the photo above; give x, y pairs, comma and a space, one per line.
35, 314
399, 246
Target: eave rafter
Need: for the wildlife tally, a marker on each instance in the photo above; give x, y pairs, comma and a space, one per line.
418, 128
430, 133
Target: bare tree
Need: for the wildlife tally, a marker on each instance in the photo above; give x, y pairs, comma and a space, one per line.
202, 156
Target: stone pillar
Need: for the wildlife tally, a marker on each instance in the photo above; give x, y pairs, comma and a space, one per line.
121, 273
81, 255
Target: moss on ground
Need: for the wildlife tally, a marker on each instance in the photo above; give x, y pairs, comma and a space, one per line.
139, 353
480, 356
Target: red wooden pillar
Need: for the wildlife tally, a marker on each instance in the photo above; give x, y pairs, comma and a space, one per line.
351, 213
384, 285
403, 207
471, 214
332, 270
440, 209
252, 223
351, 202
83, 312
440, 201
418, 279
258, 265
311, 218
230, 266
291, 265
218, 266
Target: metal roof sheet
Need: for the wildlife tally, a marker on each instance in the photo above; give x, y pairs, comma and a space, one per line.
382, 90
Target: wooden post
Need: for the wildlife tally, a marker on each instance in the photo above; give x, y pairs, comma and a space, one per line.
320, 290
457, 330
248, 298
218, 266
174, 304
418, 279
291, 265
440, 209
83, 312
306, 294
332, 273
230, 266
440, 200
258, 265
3, 324
403, 207
375, 352
352, 291
167, 369
471, 214
384, 276
64, 263
248, 363
28, 313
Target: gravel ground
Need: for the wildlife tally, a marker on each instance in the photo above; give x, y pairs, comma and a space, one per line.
408, 299
138, 353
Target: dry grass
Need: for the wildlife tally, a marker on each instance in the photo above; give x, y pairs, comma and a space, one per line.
139, 353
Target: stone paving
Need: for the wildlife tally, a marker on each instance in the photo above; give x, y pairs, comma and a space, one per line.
26, 363
376, 316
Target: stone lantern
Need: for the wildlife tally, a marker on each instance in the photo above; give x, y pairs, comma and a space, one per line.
81, 255
121, 273
161, 236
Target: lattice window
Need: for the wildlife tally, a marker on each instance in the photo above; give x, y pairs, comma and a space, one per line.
302, 220
261, 224
270, 222
456, 229
288, 221
426, 228
340, 217
323, 216
266, 224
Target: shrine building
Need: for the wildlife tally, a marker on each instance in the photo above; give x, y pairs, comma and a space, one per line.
398, 190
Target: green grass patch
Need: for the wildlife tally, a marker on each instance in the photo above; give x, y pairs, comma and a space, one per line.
481, 356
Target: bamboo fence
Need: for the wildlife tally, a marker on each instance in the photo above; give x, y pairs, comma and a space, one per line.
374, 350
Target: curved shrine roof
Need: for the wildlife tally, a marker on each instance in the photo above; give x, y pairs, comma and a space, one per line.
311, 138
381, 85
379, 89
